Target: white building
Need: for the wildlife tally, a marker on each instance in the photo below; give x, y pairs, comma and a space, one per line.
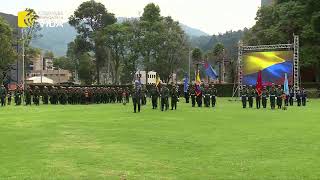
152, 77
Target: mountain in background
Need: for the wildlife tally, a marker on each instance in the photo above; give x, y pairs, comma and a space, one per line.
57, 39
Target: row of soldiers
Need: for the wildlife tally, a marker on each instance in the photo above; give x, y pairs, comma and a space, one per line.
276, 95
207, 95
161, 92
66, 95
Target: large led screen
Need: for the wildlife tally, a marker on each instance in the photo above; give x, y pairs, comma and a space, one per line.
273, 65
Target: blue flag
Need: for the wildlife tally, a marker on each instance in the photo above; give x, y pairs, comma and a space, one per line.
210, 71
286, 85
186, 83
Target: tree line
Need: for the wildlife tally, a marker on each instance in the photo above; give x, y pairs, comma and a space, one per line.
107, 49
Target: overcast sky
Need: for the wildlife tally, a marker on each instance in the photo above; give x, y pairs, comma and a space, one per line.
210, 16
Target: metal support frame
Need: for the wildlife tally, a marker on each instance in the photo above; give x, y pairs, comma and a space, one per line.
296, 70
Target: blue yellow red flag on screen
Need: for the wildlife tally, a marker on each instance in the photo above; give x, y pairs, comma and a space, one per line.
273, 66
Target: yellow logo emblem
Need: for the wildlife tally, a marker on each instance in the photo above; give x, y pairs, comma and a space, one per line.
26, 19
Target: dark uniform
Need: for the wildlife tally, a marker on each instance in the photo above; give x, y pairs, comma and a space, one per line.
36, 96
213, 93
207, 95
291, 96
264, 97
303, 97
174, 97
45, 95
251, 94
187, 95
9, 98
298, 97
3, 95
164, 98
199, 98
17, 97
136, 98
279, 97
273, 97
258, 99
193, 96
28, 96
244, 95
154, 97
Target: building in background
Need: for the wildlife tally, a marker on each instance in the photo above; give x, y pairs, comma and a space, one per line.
44, 67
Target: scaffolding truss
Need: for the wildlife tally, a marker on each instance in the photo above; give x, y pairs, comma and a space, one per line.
244, 49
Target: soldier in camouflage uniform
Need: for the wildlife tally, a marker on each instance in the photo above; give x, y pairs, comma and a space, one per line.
174, 97
36, 96
213, 93
164, 97
154, 97
244, 96
206, 96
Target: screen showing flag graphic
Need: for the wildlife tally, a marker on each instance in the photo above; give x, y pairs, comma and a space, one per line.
273, 66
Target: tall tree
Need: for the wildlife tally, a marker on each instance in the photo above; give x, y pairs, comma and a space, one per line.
7, 52
90, 18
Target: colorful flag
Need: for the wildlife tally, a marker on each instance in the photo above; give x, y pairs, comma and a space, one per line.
259, 83
158, 81
210, 71
286, 85
186, 83
198, 84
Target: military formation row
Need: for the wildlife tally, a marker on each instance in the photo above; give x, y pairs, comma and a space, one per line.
276, 95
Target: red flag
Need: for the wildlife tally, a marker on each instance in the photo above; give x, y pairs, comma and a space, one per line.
259, 83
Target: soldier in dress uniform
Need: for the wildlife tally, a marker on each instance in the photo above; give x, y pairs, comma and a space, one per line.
273, 97
258, 99
136, 97
279, 97
298, 97
291, 96
251, 94
264, 97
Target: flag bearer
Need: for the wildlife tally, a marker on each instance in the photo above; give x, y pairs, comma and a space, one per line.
258, 98
193, 96
279, 93
206, 96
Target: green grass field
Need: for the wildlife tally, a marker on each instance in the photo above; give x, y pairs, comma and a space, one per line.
111, 142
